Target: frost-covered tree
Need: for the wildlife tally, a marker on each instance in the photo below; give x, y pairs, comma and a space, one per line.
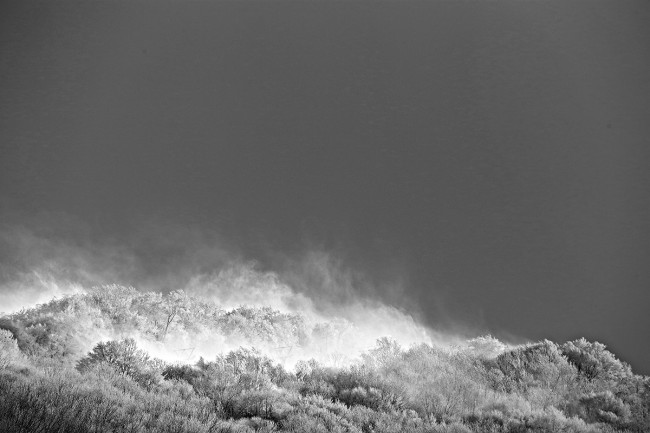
485, 346
539, 365
9, 352
594, 361
385, 351
125, 357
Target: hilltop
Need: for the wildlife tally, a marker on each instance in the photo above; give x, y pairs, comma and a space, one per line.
114, 359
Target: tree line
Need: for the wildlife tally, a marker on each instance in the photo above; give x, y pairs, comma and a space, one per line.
54, 378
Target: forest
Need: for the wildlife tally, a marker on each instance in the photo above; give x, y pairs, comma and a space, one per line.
115, 359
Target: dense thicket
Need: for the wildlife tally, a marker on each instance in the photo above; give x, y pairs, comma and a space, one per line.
57, 374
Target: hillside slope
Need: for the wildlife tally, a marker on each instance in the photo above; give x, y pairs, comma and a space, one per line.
118, 360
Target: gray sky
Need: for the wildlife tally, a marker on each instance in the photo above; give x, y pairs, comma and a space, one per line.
491, 156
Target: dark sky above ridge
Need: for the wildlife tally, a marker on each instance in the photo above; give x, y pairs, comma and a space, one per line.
492, 156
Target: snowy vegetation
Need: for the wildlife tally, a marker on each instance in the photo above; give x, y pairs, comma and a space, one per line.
118, 360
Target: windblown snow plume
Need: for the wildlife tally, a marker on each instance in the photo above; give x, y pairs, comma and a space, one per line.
181, 327
193, 299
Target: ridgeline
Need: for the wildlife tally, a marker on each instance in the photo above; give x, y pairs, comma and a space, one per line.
114, 359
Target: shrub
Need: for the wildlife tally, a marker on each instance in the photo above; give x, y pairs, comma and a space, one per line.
125, 357
9, 352
593, 361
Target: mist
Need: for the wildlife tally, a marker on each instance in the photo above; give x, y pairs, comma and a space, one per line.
63, 257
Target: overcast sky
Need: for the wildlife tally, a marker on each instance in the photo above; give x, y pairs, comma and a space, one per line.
491, 157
